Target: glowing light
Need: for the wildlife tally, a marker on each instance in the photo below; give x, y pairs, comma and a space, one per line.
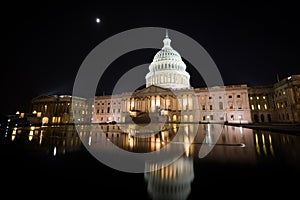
54, 151
13, 136
41, 137
98, 20
30, 136
90, 140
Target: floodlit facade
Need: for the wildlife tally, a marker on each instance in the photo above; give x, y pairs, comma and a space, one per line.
168, 97
276, 103
57, 109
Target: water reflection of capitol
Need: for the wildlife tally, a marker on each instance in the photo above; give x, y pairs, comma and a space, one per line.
172, 181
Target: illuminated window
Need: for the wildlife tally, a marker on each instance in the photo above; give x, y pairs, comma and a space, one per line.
39, 114
283, 92
264, 97
45, 108
257, 98
252, 107
251, 98
45, 120
265, 106
258, 106
22, 115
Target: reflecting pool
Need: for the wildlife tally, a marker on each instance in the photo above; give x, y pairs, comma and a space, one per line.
216, 159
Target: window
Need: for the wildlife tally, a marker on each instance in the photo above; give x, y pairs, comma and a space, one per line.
209, 97
102, 111
232, 117
238, 96
258, 107
230, 96
257, 98
220, 97
265, 106
264, 97
251, 98
98, 111
108, 109
119, 110
252, 107
220, 105
203, 107
210, 107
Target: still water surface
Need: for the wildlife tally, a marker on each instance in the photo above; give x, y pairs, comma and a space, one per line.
241, 161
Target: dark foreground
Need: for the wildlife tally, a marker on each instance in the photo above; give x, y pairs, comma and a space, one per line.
243, 163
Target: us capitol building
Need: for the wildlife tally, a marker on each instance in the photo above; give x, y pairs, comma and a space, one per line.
279, 102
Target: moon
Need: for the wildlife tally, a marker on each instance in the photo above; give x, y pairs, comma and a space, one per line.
98, 20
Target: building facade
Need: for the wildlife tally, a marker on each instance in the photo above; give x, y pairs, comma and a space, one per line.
279, 102
169, 97
58, 109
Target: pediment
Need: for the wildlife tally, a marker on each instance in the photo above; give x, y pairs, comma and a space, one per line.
43, 97
152, 90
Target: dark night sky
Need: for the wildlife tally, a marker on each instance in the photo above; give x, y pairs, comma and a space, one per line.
47, 42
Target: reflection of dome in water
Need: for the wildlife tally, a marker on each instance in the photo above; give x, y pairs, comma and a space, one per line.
171, 182
167, 69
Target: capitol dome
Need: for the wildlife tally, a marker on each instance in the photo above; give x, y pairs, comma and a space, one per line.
167, 69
